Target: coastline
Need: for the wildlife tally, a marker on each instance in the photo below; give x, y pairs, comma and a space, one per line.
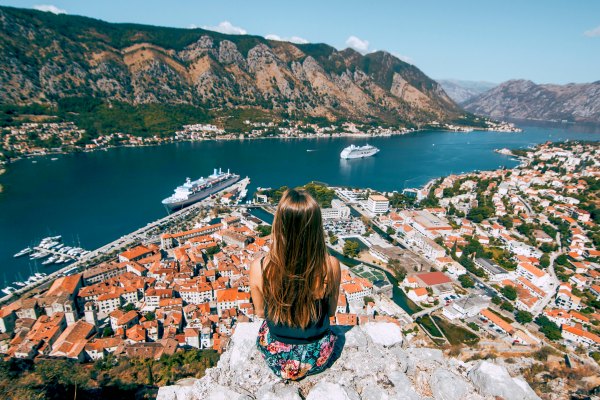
232, 137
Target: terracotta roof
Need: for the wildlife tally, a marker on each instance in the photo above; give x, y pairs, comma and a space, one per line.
582, 333
533, 270
498, 321
64, 285
434, 278
73, 340
135, 252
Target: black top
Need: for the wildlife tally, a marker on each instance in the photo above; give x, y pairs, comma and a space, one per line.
294, 335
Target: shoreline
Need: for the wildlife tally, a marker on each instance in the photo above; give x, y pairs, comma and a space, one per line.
231, 137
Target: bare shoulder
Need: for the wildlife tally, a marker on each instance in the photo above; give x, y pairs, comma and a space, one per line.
256, 271
334, 264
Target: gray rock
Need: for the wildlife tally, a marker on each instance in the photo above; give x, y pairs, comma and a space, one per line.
331, 391
383, 333
402, 386
175, 392
447, 386
278, 391
365, 370
494, 380
355, 338
374, 392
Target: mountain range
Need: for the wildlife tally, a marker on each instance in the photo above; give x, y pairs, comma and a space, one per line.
47, 58
523, 99
461, 90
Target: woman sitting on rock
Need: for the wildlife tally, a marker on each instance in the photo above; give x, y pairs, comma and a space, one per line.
295, 288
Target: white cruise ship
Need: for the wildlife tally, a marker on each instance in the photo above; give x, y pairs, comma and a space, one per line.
353, 151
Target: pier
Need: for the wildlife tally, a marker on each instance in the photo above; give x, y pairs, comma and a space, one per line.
54, 252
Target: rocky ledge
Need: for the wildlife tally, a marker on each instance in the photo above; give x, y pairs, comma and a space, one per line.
373, 365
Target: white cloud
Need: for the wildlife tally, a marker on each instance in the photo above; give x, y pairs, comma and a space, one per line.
293, 39
593, 32
362, 46
49, 8
226, 27
406, 59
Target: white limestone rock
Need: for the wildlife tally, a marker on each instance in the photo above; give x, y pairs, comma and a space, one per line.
354, 338
331, 391
371, 366
403, 388
493, 380
446, 385
383, 333
175, 392
278, 391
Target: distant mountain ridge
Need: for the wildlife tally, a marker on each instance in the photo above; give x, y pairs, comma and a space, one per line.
461, 90
523, 99
46, 58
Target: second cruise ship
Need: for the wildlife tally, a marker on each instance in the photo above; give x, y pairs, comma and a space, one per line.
353, 151
193, 191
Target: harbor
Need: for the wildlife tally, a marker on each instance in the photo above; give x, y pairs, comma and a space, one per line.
121, 189
87, 258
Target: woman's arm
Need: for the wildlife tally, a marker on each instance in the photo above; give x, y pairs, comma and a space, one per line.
256, 288
336, 274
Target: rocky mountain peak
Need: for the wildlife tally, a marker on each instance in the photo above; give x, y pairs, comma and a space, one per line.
524, 99
375, 363
47, 58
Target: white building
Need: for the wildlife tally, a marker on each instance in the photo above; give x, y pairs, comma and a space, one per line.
495, 272
378, 204
338, 210
580, 336
533, 274
523, 249
466, 307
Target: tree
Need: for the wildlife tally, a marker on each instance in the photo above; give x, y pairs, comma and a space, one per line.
390, 230
466, 281
351, 248
548, 328
473, 326
507, 306
496, 300
107, 331
523, 317
562, 260
545, 261
509, 292
333, 239
150, 316
263, 230
129, 307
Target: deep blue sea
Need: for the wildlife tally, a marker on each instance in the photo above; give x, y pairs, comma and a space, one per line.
94, 198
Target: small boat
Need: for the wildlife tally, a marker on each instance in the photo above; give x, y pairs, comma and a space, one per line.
51, 260
40, 275
53, 159
309, 150
34, 162
52, 238
20, 283
40, 254
9, 290
26, 250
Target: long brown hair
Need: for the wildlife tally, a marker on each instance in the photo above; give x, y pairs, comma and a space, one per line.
296, 268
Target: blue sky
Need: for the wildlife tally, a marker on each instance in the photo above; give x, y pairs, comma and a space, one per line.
550, 41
